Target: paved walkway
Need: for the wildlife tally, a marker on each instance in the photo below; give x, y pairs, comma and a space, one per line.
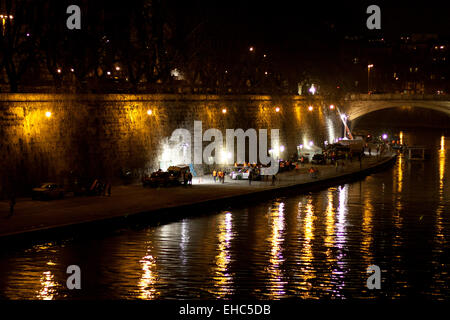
32, 215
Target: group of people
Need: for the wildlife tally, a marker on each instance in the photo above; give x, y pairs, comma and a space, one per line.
313, 172
219, 175
100, 188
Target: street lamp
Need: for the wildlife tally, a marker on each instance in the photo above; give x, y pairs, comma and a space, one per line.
3, 18
369, 66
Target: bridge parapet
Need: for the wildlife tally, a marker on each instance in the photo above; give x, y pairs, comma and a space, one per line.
397, 96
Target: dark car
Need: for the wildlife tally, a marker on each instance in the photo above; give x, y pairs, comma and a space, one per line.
318, 159
156, 179
48, 191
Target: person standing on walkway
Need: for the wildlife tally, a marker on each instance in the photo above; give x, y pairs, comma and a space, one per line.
273, 179
12, 203
214, 175
250, 177
190, 178
360, 160
185, 179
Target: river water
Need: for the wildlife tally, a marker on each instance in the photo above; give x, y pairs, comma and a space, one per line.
314, 245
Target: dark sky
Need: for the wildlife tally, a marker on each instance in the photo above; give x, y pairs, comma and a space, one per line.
278, 20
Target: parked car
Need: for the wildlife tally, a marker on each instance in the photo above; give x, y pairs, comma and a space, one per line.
48, 191
156, 179
240, 174
318, 159
176, 174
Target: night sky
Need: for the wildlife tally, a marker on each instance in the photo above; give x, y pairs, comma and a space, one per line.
308, 34
290, 22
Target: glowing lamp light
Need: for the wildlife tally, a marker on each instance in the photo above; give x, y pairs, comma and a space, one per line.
312, 90
311, 143
48, 114
332, 106
277, 109
310, 108
384, 136
117, 68
301, 146
58, 70
225, 156
224, 110
281, 148
251, 49
149, 112
108, 73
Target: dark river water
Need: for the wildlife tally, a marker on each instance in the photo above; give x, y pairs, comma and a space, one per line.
314, 245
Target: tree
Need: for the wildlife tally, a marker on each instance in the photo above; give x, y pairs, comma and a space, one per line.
17, 38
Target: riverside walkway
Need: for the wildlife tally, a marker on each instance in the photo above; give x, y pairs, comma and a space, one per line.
132, 200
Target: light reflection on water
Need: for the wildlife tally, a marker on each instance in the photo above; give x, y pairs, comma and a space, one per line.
308, 246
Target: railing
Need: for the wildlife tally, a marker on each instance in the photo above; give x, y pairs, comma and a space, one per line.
397, 96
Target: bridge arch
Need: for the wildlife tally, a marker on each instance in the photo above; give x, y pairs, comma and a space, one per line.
356, 108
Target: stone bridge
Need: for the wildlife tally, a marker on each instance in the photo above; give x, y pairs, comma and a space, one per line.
357, 105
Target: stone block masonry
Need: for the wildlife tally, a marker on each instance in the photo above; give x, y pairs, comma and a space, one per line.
55, 137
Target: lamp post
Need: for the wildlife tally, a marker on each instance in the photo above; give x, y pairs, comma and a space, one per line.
3, 18
369, 66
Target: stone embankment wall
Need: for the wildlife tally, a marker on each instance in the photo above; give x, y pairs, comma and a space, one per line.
104, 135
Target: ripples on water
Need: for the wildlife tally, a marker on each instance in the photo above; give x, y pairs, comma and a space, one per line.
311, 246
